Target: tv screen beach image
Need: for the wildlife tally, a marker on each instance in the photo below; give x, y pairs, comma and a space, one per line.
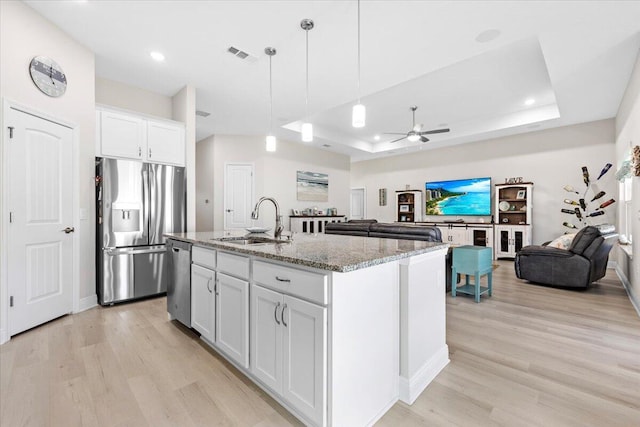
459, 197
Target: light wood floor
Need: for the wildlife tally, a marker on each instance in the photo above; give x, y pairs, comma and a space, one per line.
528, 356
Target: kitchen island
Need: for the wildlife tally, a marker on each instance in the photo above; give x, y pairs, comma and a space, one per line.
336, 328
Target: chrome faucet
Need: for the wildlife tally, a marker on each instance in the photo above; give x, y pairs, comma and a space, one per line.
254, 215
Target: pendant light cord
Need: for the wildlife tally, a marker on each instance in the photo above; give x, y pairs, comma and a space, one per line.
270, 98
307, 75
358, 51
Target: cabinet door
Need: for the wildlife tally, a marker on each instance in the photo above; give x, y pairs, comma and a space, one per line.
266, 337
203, 301
305, 357
503, 247
121, 135
165, 143
459, 236
232, 318
518, 240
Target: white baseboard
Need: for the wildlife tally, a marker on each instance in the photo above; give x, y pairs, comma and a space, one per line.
411, 388
635, 301
87, 303
4, 336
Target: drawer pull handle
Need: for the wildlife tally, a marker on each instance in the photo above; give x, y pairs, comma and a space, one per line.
283, 280
208, 282
275, 313
284, 307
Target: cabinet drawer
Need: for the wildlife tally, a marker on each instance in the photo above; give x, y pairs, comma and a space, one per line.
304, 284
234, 265
203, 257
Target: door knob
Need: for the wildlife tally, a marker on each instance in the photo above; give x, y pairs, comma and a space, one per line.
229, 210
69, 230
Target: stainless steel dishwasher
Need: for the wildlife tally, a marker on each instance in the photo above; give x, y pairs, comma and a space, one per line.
179, 286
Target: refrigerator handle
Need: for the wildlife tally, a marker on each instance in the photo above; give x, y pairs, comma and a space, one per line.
151, 203
144, 219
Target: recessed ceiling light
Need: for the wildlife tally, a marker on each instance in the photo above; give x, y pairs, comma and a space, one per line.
376, 137
530, 101
488, 35
157, 56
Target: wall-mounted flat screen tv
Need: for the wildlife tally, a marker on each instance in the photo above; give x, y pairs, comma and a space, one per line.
459, 197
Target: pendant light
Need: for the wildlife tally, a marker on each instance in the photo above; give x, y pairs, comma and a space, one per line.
359, 115
271, 139
307, 128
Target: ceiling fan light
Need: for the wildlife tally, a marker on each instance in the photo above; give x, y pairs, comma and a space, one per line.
359, 116
271, 143
413, 137
307, 132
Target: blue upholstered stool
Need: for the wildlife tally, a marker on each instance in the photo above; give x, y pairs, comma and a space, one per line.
471, 260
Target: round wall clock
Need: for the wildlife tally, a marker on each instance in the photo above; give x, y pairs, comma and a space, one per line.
48, 76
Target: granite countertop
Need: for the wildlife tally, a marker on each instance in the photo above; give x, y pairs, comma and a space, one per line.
331, 252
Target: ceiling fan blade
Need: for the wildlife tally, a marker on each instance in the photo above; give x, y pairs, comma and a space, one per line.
431, 132
395, 133
424, 139
396, 140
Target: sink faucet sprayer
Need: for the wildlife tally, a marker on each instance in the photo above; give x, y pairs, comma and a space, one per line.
254, 215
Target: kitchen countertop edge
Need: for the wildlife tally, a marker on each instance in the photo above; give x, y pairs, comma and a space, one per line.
340, 268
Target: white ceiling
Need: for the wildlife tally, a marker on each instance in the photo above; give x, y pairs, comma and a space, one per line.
574, 58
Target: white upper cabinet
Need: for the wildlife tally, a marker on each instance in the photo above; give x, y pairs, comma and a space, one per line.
165, 143
121, 135
129, 136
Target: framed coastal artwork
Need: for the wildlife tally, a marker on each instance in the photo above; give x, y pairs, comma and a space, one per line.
312, 186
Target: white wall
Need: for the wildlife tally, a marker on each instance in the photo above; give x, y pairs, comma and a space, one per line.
204, 184
184, 110
627, 136
275, 175
549, 158
116, 94
23, 35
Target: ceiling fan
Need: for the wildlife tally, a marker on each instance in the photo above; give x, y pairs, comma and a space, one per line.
416, 133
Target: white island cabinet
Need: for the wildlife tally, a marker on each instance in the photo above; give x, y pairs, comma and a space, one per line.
289, 343
335, 328
203, 299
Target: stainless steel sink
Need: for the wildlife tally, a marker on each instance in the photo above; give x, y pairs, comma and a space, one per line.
248, 240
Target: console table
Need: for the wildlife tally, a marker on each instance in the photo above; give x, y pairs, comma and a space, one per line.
465, 233
312, 223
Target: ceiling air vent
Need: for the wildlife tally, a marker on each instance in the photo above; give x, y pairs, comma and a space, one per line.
202, 113
241, 54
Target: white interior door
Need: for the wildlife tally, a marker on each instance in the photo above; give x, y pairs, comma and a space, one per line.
40, 251
357, 203
238, 195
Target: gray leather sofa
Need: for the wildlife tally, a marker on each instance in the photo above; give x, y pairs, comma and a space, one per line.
584, 262
373, 228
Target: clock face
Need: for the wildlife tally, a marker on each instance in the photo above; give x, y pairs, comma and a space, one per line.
48, 76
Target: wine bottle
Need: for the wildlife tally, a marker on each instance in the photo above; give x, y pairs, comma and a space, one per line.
568, 211
570, 202
585, 175
570, 189
583, 204
605, 204
578, 214
604, 170
597, 196
596, 213
567, 224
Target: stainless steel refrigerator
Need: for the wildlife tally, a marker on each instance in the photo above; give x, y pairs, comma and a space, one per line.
135, 204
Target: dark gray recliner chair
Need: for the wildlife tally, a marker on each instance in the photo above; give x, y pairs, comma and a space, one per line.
582, 264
